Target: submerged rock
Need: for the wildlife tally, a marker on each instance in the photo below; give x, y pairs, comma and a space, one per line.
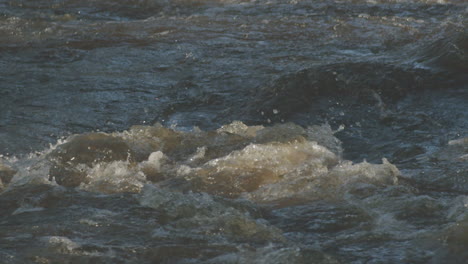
182, 146
256, 165
6, 174
71, 159
362, 82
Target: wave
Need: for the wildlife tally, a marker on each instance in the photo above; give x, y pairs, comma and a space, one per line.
205, 195
263, 164
449, 53
367, 83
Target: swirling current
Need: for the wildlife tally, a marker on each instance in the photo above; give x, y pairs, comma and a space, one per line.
233, 131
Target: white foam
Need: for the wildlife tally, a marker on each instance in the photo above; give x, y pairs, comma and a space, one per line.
113, 177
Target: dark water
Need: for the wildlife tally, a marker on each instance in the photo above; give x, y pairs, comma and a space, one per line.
146, 131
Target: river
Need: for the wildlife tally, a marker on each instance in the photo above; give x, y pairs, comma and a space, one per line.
204, 131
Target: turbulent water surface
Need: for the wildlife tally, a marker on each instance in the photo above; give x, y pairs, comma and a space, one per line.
230, 131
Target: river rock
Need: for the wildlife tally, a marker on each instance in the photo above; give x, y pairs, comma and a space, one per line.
72, 159
6, 174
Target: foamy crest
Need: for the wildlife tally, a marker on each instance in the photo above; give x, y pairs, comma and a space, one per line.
60, 244
263, 164
313, 183
259, 164
113, 177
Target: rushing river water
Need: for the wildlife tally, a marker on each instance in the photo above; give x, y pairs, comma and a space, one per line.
225, 131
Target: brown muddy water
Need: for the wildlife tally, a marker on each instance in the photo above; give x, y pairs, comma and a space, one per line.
185, 131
